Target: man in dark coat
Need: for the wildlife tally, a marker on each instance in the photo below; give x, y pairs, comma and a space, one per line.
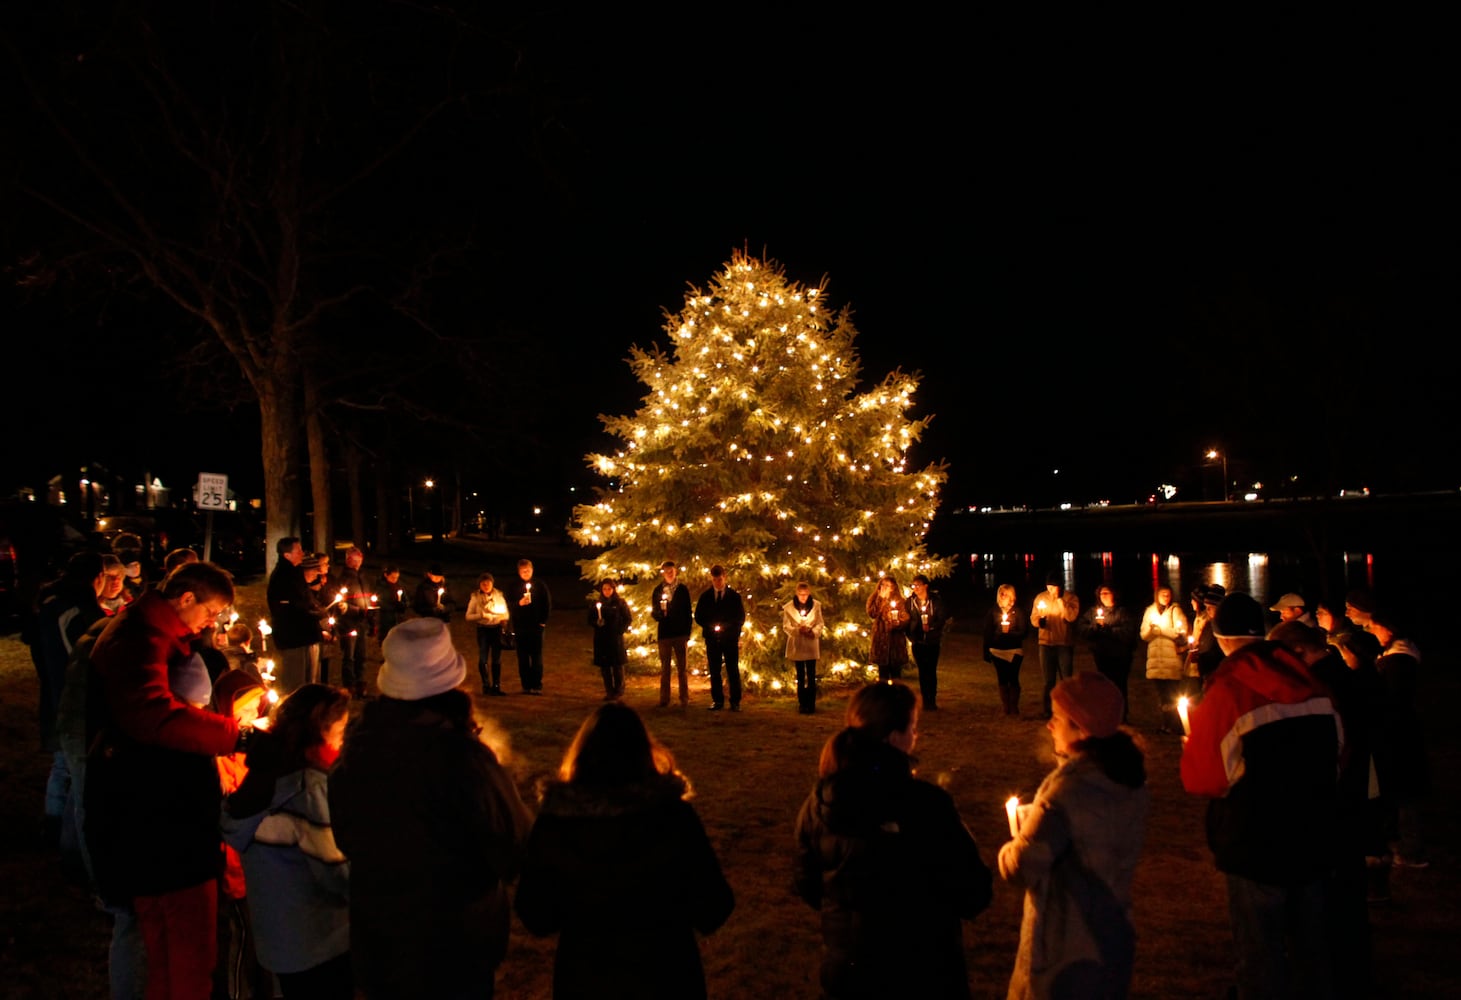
528, 605
352, 623
296, 618
721, 615
669, 606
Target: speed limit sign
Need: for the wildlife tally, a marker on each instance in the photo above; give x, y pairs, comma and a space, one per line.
212, 491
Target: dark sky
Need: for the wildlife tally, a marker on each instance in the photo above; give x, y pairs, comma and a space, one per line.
1106, 247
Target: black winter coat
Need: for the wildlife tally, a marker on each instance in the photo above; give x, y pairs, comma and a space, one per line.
893, 869
433, 827
609, 637
625, 876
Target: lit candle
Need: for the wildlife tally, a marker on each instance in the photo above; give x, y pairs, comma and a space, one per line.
400, 594
1011, 809
1182, 707
264, 632
1100, 614
330, 620
1004, 621
373, 599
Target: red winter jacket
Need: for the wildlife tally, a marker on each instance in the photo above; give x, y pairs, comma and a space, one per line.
152, 788
1265, 747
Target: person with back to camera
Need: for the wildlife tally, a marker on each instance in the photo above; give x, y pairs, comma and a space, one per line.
619, 866
887, 860
1076, 850
432, 825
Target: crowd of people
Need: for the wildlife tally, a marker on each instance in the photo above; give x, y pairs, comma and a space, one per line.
248, 844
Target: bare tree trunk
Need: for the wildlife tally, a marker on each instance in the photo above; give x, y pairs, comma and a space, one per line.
279, 428
385, 511
319, 467
354, 469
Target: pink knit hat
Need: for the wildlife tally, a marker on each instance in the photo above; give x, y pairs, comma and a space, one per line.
1091, 701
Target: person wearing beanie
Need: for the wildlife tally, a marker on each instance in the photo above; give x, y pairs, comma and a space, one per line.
432, 824
1074, 849
1265, 751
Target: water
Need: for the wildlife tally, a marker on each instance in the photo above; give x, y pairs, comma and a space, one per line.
1136, 575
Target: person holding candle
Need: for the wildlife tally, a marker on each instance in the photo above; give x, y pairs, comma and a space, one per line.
801, 620
610, 618
888, 642
433, 598
432, 824
721, 615
293, 617
352, 621
1053, 613
152, 794
487, 610
1111, 632
390, 609
1203, 651
927, 615
887, 860
528, 605
278, 820
619, 867
1163, 628
1265, 751
670, 607
1074, 849
1005, 628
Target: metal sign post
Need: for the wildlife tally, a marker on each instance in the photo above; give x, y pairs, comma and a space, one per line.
212, 494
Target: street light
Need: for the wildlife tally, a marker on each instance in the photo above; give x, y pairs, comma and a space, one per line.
1212, 455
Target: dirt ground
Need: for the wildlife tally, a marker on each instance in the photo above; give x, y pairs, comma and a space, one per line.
751, 772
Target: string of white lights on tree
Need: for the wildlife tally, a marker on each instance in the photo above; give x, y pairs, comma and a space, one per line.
754, 449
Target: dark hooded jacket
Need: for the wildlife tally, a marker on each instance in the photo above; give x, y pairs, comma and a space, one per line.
625, 875
893, 870
433, 827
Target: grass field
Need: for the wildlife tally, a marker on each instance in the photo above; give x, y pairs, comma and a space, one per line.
751, 771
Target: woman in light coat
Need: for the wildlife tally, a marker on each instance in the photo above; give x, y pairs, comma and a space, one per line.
801, 620
1163, 628
1075, 848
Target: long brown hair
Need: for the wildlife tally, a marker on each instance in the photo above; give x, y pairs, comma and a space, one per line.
614, 747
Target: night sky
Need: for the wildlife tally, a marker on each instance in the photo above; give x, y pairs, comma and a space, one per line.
1108, 247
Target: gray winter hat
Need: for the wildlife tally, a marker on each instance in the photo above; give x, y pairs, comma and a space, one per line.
420, 661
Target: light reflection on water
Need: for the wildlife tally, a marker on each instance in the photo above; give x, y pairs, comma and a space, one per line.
1136, 576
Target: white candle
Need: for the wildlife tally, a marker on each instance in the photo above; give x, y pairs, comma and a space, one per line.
1011, 809
1182, 707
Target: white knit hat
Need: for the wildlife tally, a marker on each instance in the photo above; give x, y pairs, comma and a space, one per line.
420, 661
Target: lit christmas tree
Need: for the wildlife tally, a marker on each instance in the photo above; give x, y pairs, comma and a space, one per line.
754, 450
